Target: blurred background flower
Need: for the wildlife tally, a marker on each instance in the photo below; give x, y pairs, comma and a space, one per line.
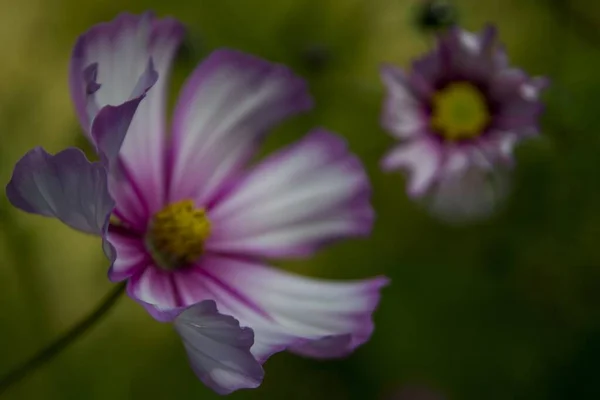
459, 112
503, 309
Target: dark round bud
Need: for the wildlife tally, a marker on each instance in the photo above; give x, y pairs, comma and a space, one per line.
436, 14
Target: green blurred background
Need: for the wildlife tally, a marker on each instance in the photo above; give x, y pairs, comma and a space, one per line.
505, 309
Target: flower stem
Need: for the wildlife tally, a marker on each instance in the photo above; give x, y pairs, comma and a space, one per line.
55, 348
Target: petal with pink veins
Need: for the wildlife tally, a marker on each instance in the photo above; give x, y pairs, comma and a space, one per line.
226, 107
108, 67
111, 125
133, 257
309, 194
313, 317
156, 287
219, 349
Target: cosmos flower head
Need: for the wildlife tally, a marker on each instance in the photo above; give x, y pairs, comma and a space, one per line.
187, 222
458, 113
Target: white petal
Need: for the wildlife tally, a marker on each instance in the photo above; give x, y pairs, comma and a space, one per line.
421, 158
470, 193
120, 50
224, 110
290, 311
311, 193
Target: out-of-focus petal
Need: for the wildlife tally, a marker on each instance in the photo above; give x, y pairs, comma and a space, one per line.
219, 349
403, 112
224, 110
422, 159
471, 56
469, 193
311, 193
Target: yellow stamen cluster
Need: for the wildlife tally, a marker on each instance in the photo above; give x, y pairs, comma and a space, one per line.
460, 111
177, 234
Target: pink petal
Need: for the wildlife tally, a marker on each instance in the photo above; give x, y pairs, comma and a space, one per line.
531, 91
224, 110
219, 349
118, 53
65, 186
472, 56
132, 205
131, 259
422, 158
287, 310
313, 317
155, 286
403, 113
304, 196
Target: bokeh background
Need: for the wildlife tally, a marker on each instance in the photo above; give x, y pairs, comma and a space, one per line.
504, 309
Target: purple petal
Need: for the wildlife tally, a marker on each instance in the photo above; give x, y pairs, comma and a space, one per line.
327, 347
90, 74
302, 197
120, 51
112, 123
422, 158
532, 89
219, 349
145, 81
470, 56
159, 313
65, 186
133, 256
225, 109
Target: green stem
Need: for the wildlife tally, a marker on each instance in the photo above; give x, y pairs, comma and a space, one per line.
55, 348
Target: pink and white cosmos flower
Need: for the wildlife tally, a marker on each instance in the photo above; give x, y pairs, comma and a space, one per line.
192, 223
459, 113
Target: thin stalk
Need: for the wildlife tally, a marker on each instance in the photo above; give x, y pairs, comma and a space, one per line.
63, 342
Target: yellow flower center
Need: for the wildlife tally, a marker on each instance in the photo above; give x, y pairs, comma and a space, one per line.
177, 234
460, 112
